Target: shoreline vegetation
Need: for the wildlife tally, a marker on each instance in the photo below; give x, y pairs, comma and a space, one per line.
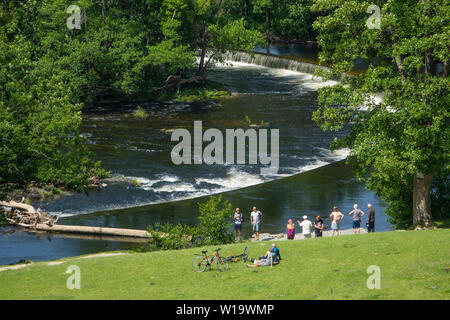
413, 265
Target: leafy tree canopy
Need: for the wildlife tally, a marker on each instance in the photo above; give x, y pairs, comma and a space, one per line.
400, 142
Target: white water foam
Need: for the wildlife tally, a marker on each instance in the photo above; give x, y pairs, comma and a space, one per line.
176, 187
235, 179
147, 184
304, 80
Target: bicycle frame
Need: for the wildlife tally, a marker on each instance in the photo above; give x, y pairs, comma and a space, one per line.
210, 258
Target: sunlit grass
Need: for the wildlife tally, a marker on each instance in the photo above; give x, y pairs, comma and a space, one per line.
413, 264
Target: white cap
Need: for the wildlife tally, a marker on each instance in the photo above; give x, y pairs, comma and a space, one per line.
305, 217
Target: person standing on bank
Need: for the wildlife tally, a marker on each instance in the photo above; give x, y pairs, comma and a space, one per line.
336, 216
255, 220
356, 218
306, 227
238, 219
318, 226
290, 230
370, 218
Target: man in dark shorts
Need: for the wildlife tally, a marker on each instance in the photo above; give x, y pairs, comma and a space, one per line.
238, 219
318, 226
370, 218
356, 218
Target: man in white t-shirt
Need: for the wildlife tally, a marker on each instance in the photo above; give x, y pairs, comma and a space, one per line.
255, 220
307, 227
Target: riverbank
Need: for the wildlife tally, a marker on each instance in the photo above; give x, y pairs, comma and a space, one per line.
413, 265
300, 236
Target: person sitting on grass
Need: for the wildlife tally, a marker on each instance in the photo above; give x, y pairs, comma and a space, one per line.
268, 261
276, 251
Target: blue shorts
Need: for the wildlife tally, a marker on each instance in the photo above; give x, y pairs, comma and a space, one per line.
356, 224
334, 226
256, 227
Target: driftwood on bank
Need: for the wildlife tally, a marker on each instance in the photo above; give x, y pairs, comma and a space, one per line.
94, 230
25, 215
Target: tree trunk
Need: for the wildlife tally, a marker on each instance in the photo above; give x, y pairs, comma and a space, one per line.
268, 24
244, 9
201, 70
104, 9
422, 199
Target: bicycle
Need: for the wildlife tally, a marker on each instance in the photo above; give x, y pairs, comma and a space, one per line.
243, 256
200, 263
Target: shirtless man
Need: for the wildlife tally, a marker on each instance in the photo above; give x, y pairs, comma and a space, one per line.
336, 216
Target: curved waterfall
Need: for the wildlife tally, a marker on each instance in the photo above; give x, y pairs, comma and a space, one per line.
274, 61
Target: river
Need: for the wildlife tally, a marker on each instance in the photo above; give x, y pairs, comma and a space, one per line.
310, 180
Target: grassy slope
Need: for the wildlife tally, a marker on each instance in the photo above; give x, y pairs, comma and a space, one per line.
414, 265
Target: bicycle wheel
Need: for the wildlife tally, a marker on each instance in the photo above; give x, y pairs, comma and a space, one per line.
245, 254
199, 264
222, 264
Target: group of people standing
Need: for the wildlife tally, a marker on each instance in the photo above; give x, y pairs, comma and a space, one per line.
307, 226
255, 220
336, 217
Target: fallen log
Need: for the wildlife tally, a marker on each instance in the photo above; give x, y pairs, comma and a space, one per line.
26, 216
18, 205
93, 230
85, 236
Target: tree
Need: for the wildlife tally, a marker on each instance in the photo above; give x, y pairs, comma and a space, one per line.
40, 140
399, 144
218, 32
213, 228
215, 221
266, 7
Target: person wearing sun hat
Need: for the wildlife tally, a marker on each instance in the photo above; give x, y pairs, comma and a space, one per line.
307, 227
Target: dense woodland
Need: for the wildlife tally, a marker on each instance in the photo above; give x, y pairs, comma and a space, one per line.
129, 49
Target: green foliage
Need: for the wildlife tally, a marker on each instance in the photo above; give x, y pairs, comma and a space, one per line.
234, 36
38, 119
169, 237
210, 91
140, 113
291, 19
213, 228
248, 121
407, 132
215, 221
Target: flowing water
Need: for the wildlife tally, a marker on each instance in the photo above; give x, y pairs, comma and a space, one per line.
310, 180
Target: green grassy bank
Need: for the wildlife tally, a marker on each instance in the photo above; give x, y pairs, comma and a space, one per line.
413, 264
